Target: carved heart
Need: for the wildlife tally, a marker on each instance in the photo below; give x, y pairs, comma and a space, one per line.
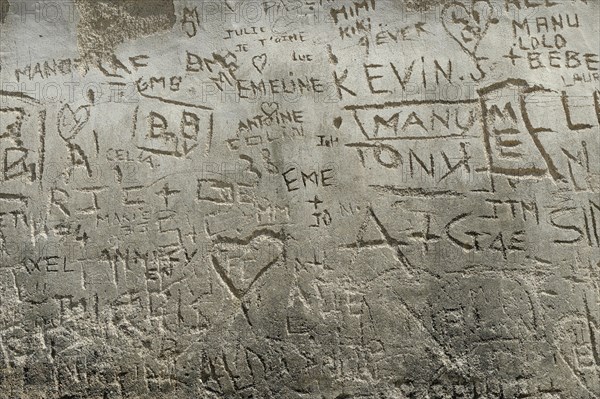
269, 108
240, 264
337, 122
70, 123
259, 62
468, 27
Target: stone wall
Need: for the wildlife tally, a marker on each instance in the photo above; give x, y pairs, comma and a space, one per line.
300, 199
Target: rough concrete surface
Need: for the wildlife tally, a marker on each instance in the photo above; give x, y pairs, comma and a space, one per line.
298, 199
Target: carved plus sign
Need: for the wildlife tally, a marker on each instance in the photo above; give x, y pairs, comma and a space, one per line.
166, 193
512, 56
316, 201
426, 236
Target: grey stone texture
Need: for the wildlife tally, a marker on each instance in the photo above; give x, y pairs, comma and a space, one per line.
298, 199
